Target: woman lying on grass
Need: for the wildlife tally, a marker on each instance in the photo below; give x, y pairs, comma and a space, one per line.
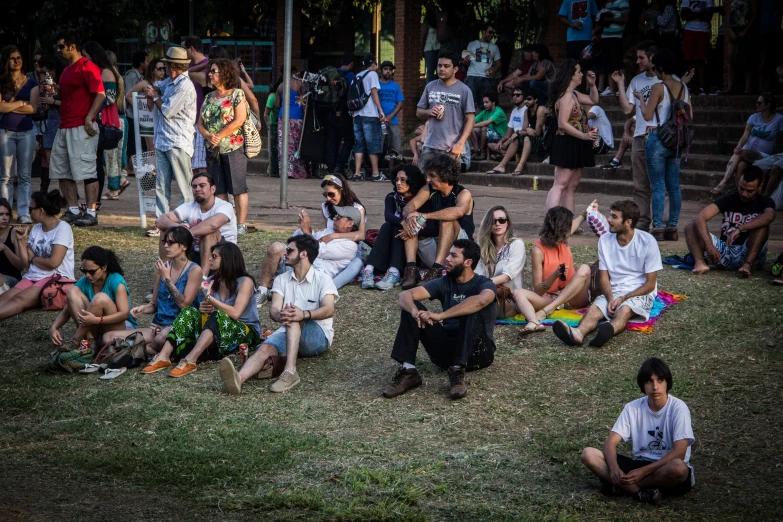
176, 287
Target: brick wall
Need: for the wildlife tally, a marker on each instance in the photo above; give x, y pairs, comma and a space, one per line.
296, 43
407, 54
555, 36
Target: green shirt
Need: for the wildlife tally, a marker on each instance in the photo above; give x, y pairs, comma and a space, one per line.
499, 121
270, 104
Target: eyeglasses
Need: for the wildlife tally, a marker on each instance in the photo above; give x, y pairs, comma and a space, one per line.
491, 32
15, 59
169, 242
61, 46
501, 221
87, 271
213, 71
330, 195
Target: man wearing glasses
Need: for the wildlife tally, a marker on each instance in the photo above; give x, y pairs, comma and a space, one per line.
483, 61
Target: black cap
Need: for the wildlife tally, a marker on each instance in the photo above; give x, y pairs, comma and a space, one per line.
347, 58
368, 60
387, 63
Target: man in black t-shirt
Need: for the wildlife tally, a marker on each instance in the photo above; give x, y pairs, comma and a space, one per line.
458, 339
742, 245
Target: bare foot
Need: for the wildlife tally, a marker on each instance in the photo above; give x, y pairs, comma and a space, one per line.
744, 271
700, 268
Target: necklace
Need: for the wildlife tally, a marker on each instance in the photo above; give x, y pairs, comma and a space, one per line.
173, 279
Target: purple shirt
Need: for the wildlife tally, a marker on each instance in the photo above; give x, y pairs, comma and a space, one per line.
199, 89
12, 121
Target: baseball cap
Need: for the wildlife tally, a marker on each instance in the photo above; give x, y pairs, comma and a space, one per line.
387, 63
351, 213
368, 60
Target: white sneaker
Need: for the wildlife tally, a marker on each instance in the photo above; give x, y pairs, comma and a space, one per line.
546, 161
607, 92
261, 298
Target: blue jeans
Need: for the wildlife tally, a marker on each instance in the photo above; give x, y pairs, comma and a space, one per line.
663, 169
479, 86
174, 163
367, 132
350, 272
19, 147
312, 342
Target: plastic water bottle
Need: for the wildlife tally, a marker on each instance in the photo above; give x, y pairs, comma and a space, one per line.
384, 130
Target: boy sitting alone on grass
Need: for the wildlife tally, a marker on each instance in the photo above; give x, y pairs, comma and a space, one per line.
659, 425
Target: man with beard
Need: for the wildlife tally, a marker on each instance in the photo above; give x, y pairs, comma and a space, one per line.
209, 219
459, 339
391, 102
628, 265
303, 301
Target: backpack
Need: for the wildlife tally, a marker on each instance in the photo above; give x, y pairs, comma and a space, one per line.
357, 96
332, 88
123, 353
676, 133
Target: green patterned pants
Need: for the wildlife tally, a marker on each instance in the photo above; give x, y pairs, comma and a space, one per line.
228, 334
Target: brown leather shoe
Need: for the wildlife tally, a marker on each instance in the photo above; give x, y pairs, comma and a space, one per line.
410, 278
432, 274
657, 233
670, 234
459, 385
404, 380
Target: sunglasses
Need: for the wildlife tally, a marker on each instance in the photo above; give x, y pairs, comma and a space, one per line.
160, 68
502, 221
169, 242
331, 195
213, 71
32, 208
288, 250
61, 46
87, 271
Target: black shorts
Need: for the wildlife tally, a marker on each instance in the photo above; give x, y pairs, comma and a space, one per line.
229, 172
628, 464
574, 49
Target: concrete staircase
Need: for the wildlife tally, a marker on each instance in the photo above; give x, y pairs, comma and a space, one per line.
718, 119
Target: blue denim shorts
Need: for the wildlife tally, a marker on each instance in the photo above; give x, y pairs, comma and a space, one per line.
367, 131
312, 342
732, 257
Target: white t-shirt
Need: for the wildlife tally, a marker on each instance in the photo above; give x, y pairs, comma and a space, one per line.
643, 84
517, 119
191, 213
307, 294
370, 81
41, 243
335, 255
603, 124
628, 265
654, 433
763, 136
511, 261
697, 6
484, 55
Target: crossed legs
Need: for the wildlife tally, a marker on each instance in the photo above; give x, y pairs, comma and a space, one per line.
671, 474
575, 293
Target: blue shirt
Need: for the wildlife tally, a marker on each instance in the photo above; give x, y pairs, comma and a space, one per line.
390, 95
110, 286
349, 76
579, 10
177, 115
167, 309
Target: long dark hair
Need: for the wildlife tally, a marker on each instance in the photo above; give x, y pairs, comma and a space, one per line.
6, 81
557, 226
103, 257
232, 266
51, 202
99, 57
347, 196
562, 80
149, 73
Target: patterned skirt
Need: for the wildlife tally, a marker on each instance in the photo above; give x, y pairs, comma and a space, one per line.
296, 167
228, 334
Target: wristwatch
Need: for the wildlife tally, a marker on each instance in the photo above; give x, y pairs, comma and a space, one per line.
156, 98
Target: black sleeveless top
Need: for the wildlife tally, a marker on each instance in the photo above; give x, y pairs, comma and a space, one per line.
439, 202
6, 268
532, 117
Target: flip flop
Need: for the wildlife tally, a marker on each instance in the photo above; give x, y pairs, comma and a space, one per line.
495, 171
123, 187
605, 332
112, 373
110, 197
527, 331
92, 368
563, 332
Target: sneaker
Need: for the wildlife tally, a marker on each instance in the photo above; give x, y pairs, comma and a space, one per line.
182, 369
148, 297
153, 232
24, 220
404, 380
610, 490
607, 92
777, 280
459, 386
612, 165
230, 377
286, 381
261, 297
356, 177
368, 280
241, 229
155, 367
579, 231
546, 161
657, 233
388, 282
648, 495
69, 217
670, 234
86, 220
379, 177
410, 278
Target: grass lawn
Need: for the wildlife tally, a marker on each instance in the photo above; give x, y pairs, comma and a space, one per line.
154, 448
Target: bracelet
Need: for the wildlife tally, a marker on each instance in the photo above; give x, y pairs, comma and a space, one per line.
207, 298
101, 320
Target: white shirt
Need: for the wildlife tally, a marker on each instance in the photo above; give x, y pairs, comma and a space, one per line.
629, 265
42, 242
370, 81
191, 213
643, 84
511, 261
484, 55
697, 6
654, 433
665, 105
603, 124
517, 119
307, 294
335, 255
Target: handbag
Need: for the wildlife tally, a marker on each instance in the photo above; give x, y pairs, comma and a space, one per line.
53, 293
123, 353
109, 137
251, 135
70, 361
502, 298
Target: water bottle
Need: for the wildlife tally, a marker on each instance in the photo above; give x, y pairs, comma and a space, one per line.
48, 85
384, 130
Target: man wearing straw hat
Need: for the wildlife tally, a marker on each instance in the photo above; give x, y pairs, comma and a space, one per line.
175, 99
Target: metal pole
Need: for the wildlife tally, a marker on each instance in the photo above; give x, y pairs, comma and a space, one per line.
289, 21
191, 30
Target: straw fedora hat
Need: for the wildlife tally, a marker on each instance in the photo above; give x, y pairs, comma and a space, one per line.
177, 55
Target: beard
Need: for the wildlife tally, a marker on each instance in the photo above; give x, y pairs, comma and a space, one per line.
456, 271
292, 262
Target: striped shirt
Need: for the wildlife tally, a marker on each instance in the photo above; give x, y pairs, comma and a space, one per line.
617, 8
175, 120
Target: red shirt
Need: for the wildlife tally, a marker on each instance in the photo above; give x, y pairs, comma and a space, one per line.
79, 83
524, 66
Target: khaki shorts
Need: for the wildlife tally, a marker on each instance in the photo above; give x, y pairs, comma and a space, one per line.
74, 154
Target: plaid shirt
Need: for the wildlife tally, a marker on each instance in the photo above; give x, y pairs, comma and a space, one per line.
177, 114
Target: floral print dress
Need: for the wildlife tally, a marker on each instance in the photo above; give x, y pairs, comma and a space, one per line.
217, 112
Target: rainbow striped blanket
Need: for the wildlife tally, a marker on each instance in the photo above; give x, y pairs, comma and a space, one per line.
663, 302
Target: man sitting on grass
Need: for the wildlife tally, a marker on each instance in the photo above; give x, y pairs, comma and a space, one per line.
659, 425
209, 219
303, 301
628, 265
452, 208
747, 216
459, 339
333, 254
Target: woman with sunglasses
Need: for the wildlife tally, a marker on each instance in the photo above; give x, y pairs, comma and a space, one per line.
388, 253
98, 303
17, 138
223, 113
48, 253
155, 72
555, 282
226, 317
502, 257
176, 285
10, 264
758, 141
339, 194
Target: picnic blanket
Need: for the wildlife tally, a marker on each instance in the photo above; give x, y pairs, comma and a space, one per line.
663, 302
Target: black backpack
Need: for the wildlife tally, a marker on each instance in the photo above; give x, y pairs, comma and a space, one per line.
332, 88
676, 133
357, 96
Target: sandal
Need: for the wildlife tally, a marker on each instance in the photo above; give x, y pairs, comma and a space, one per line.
564, 333
123, 186
496, 171
111, 197
518, 172
537, 327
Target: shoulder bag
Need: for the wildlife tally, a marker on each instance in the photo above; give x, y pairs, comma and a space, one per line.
53, 293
